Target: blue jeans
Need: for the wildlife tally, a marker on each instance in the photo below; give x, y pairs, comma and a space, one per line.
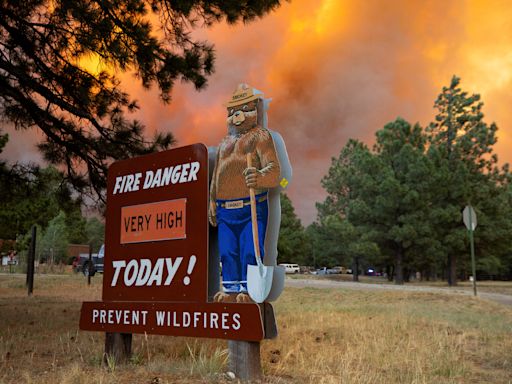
236, 247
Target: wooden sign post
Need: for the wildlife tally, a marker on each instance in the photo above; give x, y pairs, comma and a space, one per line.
31, 261
156, 257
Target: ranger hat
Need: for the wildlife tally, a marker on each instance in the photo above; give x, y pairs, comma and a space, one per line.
243, 94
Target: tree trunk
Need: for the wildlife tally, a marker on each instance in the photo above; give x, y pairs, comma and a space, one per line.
390, 272
118, 348
452, 270
399, 269
355, 269
406, 275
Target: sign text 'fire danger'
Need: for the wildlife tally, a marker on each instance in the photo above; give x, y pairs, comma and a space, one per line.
133, 182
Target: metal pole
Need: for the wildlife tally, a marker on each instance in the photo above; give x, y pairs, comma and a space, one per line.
472, 245
89, 265
355, 269
31, 259
28, 265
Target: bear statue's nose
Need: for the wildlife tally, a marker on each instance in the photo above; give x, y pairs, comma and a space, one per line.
238, 117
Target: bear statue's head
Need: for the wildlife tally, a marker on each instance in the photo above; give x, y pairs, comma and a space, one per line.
244, 109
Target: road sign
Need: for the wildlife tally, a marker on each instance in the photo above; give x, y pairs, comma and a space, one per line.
469, 217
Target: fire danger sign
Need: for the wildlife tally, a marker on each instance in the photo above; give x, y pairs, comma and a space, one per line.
156, 254
156, 246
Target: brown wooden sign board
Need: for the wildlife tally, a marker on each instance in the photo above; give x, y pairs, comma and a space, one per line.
214, 320
156, 254
156, 238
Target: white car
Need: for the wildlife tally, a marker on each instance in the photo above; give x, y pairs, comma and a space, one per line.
291, 268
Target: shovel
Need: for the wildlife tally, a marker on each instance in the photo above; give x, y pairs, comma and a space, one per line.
259, 277
277, 283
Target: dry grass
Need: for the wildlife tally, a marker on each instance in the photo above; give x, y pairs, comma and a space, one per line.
326, 336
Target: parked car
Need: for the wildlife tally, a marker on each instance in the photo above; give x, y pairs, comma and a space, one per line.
81, 264
320, 271
306, 269
327, 271
291, 268
373, 272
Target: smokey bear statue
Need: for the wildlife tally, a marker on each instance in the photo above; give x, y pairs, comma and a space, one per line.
229, 208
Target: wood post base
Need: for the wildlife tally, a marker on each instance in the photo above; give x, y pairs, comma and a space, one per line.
118, 346
244, 356
244, 359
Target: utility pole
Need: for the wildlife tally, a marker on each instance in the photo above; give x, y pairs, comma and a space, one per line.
30, 261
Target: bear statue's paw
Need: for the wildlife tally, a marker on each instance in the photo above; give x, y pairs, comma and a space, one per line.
243, 298
221, 297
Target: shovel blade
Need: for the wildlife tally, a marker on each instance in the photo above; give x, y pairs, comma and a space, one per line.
277, 283
259, 282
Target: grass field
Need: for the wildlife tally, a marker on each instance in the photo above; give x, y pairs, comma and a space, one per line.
326, 336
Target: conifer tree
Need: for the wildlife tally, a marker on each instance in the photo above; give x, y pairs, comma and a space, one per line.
407, 195
344, 232
461, 146
292, 245
83, 113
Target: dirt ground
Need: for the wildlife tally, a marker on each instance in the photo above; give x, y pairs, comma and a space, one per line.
327, 334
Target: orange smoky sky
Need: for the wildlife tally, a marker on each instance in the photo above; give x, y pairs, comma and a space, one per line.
343, 69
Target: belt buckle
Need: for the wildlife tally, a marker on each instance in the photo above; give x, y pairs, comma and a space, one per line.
234, 204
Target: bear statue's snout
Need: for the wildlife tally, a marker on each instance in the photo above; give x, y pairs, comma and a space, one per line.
238, 117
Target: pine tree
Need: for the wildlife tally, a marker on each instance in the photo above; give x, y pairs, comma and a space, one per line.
54, 240
44, 83
402, 203
383, 197
406, 196
32, 195
461, 146
344, 233
292, 245
336, 242
95, 232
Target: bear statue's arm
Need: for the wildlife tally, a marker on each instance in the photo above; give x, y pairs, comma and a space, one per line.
270, 171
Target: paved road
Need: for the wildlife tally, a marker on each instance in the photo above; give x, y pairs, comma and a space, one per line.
325, 283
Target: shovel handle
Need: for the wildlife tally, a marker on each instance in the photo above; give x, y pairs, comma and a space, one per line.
254, 220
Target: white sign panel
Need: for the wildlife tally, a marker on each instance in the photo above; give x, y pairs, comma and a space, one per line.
469, 215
